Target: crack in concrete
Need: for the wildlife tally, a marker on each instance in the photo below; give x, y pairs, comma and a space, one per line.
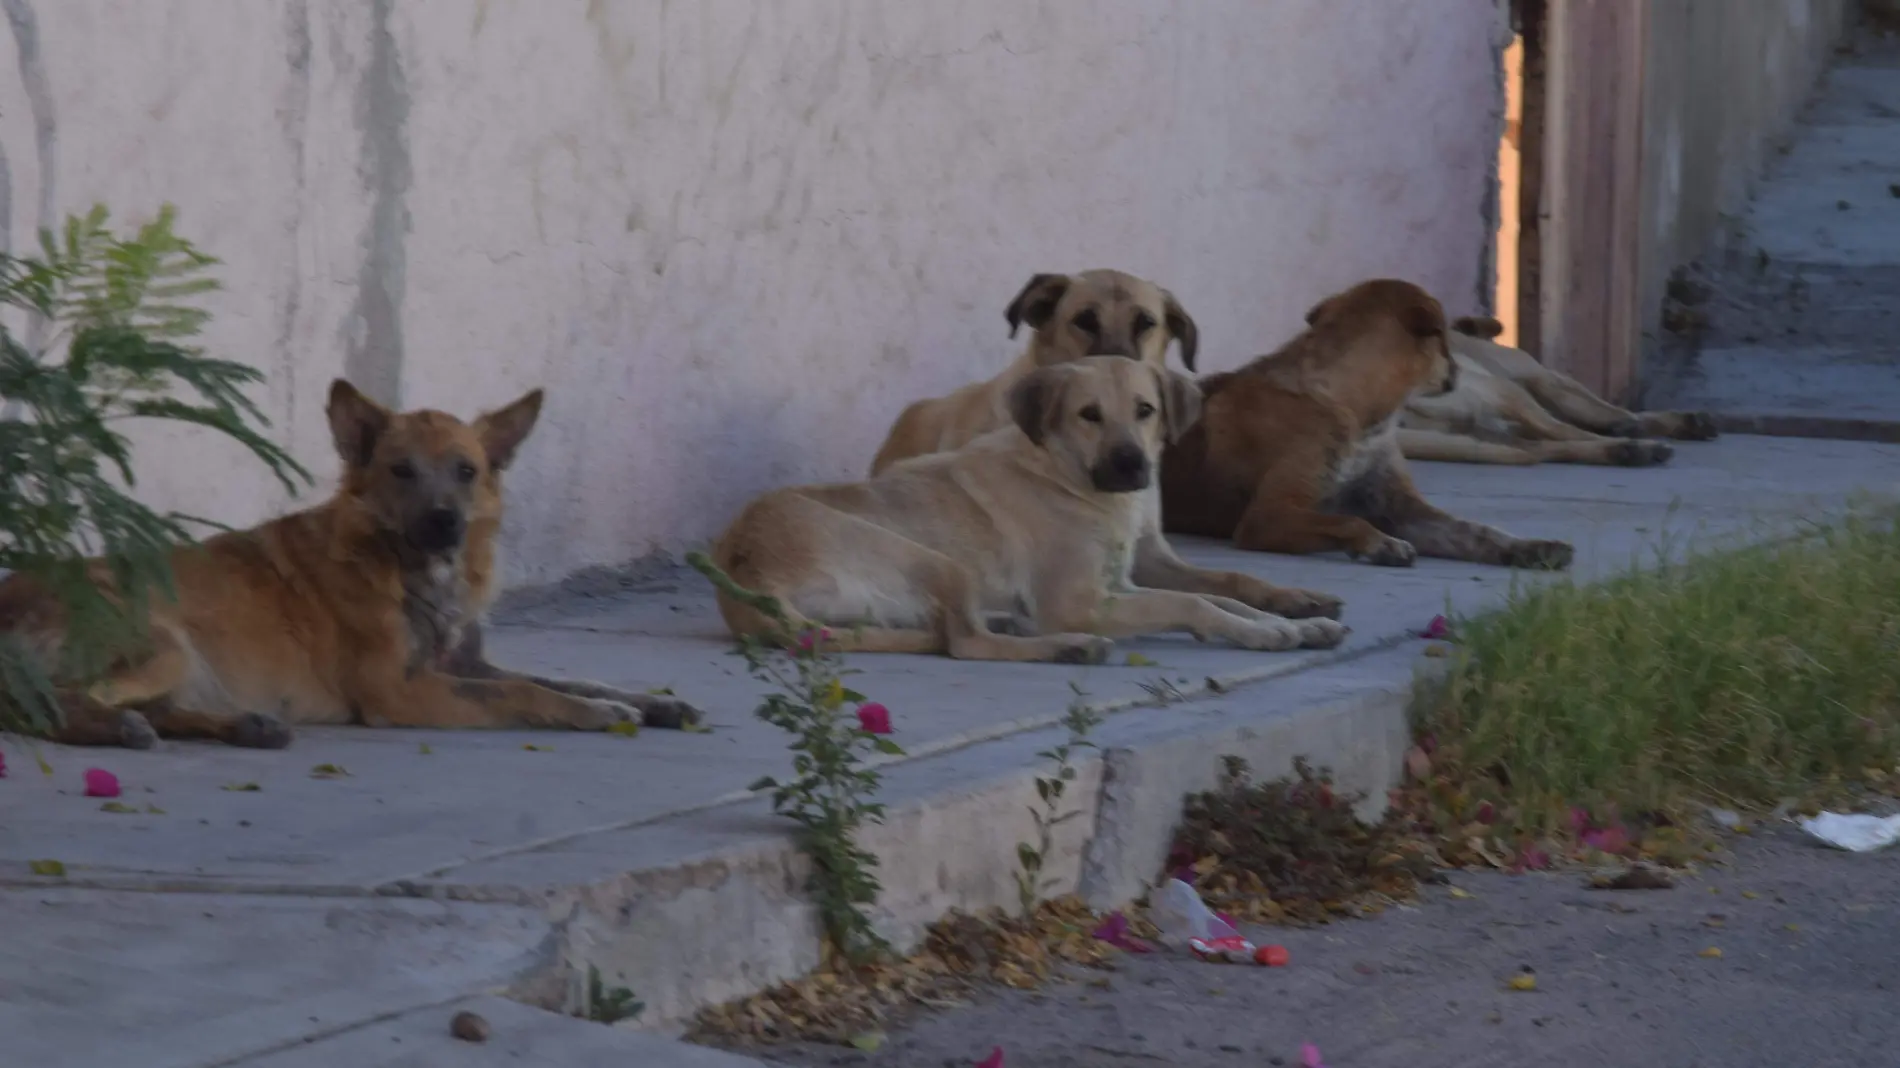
374, 337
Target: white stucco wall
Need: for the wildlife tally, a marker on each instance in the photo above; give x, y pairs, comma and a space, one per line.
734, 237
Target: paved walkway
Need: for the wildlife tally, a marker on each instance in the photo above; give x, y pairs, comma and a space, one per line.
222, 924
1803, 308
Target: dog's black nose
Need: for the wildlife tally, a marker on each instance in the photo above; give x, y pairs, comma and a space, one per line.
1123, 469
441, 528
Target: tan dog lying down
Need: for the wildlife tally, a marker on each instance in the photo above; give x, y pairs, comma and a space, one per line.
1037, 520
1094, 313
365, 609
1510, 409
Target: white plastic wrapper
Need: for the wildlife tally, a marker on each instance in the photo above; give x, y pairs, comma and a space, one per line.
1180, 915
1856, 833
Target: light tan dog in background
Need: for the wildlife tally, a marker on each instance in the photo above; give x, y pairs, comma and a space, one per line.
1510, 409
1094, 313
1037, 520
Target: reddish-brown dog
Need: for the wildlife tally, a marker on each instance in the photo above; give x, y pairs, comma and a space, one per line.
1298, 452
365, 609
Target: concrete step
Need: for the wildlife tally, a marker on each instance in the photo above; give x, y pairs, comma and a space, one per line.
519, 1037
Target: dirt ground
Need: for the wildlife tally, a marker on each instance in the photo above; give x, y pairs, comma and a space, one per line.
1809, 976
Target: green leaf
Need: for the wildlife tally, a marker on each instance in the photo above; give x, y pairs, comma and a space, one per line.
241, 787
118, 806
886, 746
1043, 788
1138, 660
624, 730
51, 868
766, 783
1027, 856
869, 1041
424, 749
328, 771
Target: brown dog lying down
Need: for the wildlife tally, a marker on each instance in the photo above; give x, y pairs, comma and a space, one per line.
1095, 313
1037, 520
1298, 452
362, 610
1510, 409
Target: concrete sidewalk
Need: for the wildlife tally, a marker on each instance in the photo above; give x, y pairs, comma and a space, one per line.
1803, 304
232, 924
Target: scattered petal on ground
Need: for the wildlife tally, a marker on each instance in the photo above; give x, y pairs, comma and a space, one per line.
1309, 1057
994, 1060
101, 783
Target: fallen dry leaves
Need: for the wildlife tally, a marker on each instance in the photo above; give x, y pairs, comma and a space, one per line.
841, 1004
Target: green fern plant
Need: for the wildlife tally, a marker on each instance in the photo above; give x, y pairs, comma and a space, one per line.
110, 319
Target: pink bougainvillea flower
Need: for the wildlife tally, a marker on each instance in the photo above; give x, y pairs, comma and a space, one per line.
874, 718
1309, 1057
1579, 820
1114, 931
1487, 813
3, 765
1534, 859
101, 783
1612, 840
811, 639
994, 1060
1437, 630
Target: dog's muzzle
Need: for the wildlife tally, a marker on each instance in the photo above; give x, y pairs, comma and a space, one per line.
439, 530
1123, 470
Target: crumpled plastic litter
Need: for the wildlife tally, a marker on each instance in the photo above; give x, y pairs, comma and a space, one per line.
1855, 832
1184, 919
1180, 914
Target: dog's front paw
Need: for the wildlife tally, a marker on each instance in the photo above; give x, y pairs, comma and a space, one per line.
135, 731
258, 731
1299, 604
1272, 636
1081, 649
599, 714
1696, 426
1391, 552
1539, 555
664, 712
1641, 453
1321, 633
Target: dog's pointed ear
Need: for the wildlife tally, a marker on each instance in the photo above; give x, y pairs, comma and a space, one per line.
1037, 302
1318, 311
1180, 403
1181, 327
1035, 402
1424, 317
356, 423
1482, 326
502, 431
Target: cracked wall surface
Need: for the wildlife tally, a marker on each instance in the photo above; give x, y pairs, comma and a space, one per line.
734, 238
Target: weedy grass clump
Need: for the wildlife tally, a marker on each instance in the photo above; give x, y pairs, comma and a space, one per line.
1751, 679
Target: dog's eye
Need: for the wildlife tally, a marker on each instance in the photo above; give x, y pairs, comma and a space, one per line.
1091, 414
1088, 323
465, 471
402, 471
1143, 323
1144, 410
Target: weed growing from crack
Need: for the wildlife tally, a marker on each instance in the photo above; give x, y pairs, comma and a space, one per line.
830, 793
1049, 790
609, 1004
